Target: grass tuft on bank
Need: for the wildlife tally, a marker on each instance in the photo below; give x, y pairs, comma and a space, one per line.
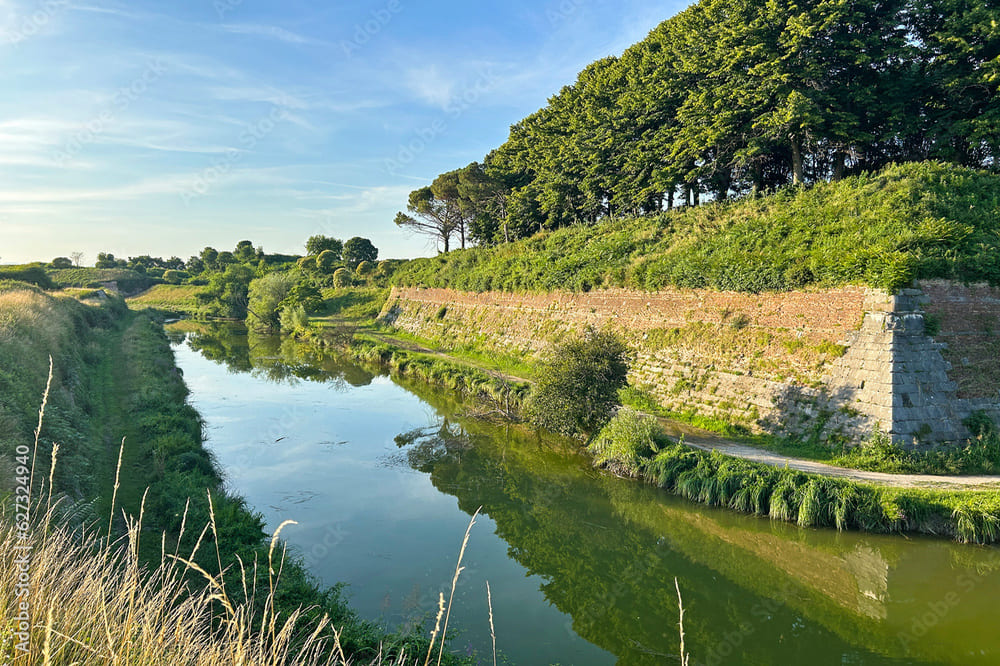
632, 444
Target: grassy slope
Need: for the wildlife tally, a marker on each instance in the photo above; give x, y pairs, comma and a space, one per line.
128, 280
883, 230
168, 297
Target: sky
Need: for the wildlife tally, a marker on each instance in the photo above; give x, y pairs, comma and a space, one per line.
163, 127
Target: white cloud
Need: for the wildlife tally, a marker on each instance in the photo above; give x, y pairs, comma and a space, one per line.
430, 86
270, 31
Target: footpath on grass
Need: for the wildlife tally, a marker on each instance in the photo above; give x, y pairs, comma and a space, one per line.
708, 441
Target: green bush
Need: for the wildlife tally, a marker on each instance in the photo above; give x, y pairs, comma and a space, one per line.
626, 442
31, 274
342, 278
577, 389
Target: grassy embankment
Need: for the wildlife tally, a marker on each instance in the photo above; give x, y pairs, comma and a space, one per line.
172, 298
883, 230
114, 377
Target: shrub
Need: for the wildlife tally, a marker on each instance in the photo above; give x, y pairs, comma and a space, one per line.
342, 278
266, 296
577, 390
294, 319
625, 442
365, 268
32, 274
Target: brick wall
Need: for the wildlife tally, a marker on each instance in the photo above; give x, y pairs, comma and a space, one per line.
838, 360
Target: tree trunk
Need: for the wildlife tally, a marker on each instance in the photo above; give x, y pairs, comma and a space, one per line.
838, 165
670, 199
446, 238
797, 172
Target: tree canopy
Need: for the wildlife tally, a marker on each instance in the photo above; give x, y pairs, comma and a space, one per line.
359, 249
733, 97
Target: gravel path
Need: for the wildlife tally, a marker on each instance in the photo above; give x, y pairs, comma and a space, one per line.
702, 439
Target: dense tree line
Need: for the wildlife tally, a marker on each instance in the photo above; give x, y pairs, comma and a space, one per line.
733, 97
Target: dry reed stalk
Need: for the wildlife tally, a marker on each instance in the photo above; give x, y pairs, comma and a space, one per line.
437, 627
38, 429
114, 494
680, 607
52, 473
493, 633
454, 582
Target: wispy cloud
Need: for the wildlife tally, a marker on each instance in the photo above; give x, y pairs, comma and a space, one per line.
431, 86
270, 31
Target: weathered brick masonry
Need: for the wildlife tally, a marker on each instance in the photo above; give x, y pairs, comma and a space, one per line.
843, 361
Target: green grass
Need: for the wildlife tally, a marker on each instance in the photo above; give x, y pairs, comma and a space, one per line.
168, 297
467, 381
356, 303
924, 220
128, 280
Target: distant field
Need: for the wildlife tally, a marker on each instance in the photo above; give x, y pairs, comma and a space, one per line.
128, 280
177, 298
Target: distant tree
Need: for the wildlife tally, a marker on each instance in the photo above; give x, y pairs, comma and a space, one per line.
431, 215
225, 258
386, 268
226, 294
359, 249
307, 263
317, 244
577, 390
209, 256
61, 262
244, 251
174, 276
174, 263
77, 258
365, 268
106, 260
265, 297
326, 260
342, 278
194, 265
305, 294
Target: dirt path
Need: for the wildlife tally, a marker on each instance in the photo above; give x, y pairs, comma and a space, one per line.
707, 441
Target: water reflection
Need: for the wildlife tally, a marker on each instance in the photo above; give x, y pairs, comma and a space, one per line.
606, 550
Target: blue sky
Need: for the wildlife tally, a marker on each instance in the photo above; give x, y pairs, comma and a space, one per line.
162, 127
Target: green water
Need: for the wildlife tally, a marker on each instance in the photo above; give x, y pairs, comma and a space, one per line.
383, 477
